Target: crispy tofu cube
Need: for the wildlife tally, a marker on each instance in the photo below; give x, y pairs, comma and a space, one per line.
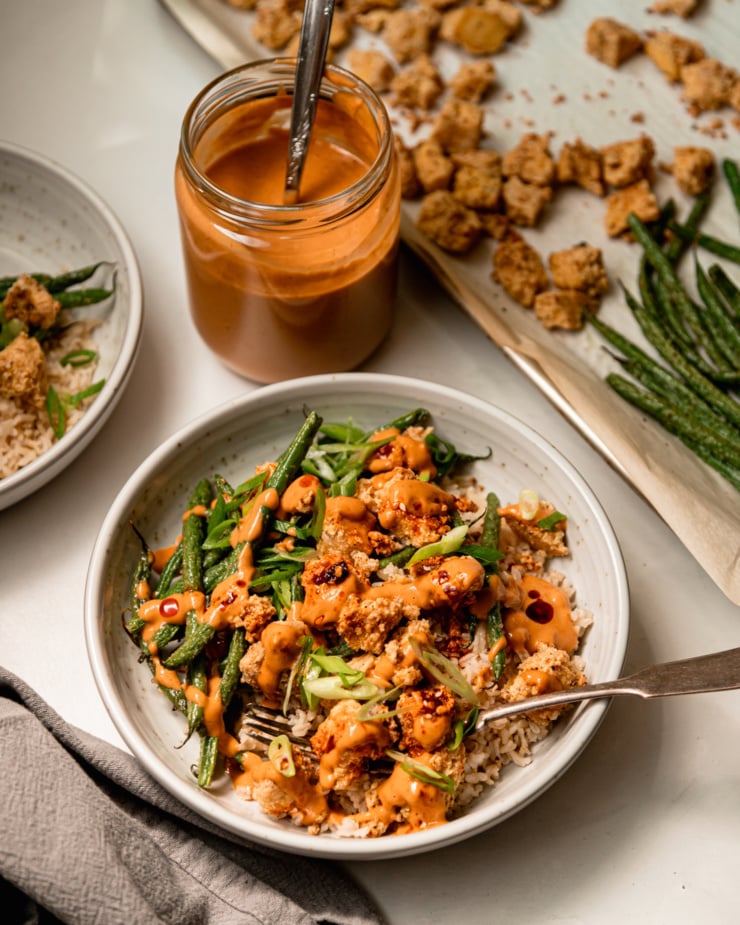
410, 32
525, 202
638, 198
519, 269
434, 168
277, 22
581, 164
30, 302
693, 169
458, 126
531, 160
671, 52
612, 42
561, 308
449, 223
626, 162
23, 371
476, 30
371, 66
707, 84
477, 179
473, 80
580, 267
418, 85
410, 185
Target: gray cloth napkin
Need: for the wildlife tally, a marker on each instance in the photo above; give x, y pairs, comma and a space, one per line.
87, 836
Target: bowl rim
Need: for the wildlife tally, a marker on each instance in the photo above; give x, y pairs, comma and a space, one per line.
295, 840
41, 470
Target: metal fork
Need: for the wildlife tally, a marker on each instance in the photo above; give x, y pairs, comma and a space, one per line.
719, 671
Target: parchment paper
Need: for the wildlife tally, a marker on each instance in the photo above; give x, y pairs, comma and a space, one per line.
547, 83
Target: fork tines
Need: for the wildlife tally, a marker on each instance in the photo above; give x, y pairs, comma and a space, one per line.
263, 723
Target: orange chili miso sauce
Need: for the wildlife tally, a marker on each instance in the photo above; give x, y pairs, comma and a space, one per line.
281, 293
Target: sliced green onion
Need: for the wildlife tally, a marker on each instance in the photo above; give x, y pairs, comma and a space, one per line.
72, 401
56, 412
463, 727
334, 664
529, 502
445, 671
280, 754
449, 543
363, 714
422, 772
78, 358
220, 536
551, 521
345, 433
330, 687
305, 642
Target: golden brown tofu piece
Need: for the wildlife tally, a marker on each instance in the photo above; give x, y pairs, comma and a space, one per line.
30, 302
508, 12
561, 308
410, 32
475, 29
458, 126
23, 371
344, 744
707, 84
277, 22
366, 624
434, 169
549, 669
371, 66
612, 42
638, 198
449, 223
693, 169
531, 160
497, 225
580, 267
477, 179
525, 202
581, 164
734, 99
426, 717
626, 162
519, 269
671, 52
682, 8
410, 184
419, 85
473, 80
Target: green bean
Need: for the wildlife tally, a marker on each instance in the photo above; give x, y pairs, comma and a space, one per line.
169, 571
732, 175
193, 533
724, 332
693, 378
416, 418
72, 278
707, 242
76, 298
192, 646
731, 473
142, 573
673, 420
176, 697
660, 307
207, 762
674, 390
726, 286
677, 245
231, 673
227, 566
290, 461
197, 678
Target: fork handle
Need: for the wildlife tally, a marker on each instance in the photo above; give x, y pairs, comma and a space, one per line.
719, 671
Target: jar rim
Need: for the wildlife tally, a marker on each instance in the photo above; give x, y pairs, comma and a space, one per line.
335, 78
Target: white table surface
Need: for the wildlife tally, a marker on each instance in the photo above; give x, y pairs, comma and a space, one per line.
646, 826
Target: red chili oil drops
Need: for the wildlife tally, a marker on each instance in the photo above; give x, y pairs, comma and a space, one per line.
539, 611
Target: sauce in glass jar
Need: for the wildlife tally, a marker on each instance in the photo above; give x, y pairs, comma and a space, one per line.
279, 291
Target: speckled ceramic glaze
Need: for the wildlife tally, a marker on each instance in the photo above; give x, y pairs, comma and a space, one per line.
50, 221
234, 438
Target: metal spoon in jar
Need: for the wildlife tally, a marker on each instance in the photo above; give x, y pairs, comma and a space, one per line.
312, 47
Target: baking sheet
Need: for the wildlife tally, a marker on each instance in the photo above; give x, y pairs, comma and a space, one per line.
547, 83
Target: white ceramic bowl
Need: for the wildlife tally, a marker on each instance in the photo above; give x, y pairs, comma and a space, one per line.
231, 440
51, 222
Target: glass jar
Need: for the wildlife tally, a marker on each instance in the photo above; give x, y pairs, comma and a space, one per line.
279, 291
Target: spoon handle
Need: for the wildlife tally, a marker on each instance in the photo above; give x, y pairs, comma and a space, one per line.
719, 671
312, 46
